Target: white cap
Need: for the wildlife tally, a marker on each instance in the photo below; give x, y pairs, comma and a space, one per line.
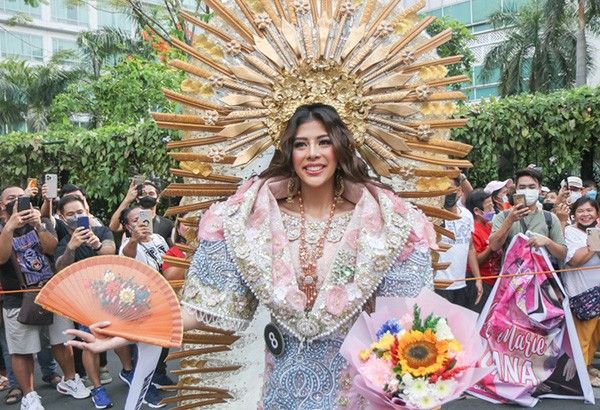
496, 185
545, 189
575, 182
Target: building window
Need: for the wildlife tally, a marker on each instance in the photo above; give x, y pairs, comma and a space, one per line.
59, 44
109, 17
19, 6
65, 12
482, 9
460, 12
24, 46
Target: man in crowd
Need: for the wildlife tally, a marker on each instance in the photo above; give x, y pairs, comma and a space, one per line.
61, 231
83, 241
590, 189
523, 218
480, 204
575, 186
147, 247
498, 190
460, 253
146, 195
25, 242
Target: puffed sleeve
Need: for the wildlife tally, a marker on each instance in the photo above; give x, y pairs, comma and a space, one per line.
407, 276
215, 291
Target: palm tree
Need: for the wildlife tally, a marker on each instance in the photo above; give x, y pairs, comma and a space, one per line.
109, 43
28, 91
539, 53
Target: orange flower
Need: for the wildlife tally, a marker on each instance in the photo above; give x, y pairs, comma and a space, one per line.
420, 354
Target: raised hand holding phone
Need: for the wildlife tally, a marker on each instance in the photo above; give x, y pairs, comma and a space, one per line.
52, 184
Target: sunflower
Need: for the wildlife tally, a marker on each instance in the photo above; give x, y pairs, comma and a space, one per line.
420, 353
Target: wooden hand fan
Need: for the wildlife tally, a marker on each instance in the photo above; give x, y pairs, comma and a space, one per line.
136, 299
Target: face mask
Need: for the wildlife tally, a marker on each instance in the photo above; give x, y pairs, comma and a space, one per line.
574, 196
488, 216
147, 202
584, 227
450, 200
71, 222
592, 195
504, 199
547, 206
531, 195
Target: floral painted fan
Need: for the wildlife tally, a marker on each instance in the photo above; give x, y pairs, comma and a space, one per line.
137, 300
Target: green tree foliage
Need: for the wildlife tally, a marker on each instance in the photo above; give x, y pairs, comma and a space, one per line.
539, 53
551, 130
125, 93
28, 91
458, 45
101, 160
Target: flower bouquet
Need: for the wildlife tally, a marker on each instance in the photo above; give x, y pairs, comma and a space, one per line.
413, 353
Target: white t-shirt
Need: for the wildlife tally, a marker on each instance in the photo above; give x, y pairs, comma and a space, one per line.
577, 282
150, 252
459, 252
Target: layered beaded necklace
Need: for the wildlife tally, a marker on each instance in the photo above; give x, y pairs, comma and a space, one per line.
307, 282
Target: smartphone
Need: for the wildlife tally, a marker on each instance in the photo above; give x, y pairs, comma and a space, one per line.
146, 218
83, 221
518, 199
32, 183
23, 203
138, 180
593, 239
52, 184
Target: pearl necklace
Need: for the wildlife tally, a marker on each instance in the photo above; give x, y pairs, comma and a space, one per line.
308, 261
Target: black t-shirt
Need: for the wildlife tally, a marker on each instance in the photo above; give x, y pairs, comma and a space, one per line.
163, 227
8, 273
84, 251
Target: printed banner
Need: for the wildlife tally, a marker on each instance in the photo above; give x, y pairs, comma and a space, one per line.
147, 360
530, 336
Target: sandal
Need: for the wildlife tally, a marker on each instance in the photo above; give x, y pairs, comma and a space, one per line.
14, 396
595, 381
594, 372
52, 379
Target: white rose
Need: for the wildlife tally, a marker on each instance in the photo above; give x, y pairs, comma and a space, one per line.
443, 331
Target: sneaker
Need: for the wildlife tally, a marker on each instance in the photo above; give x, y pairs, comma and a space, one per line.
152, 398
126, 376
100, 398
31, 402
162, 380
105, 376
74, 388
87, 382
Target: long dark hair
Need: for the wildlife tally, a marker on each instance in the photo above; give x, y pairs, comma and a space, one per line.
350, 165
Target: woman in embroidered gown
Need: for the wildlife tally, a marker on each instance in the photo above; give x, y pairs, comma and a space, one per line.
314, 239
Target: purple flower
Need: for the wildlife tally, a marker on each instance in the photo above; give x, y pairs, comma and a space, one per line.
391, 326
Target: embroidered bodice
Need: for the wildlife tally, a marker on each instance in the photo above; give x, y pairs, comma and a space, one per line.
248, 255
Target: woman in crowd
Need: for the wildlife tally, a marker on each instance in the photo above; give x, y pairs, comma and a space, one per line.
314, 239
581, 286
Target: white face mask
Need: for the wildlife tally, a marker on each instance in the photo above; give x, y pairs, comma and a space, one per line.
531, 195
504, 198
574, 196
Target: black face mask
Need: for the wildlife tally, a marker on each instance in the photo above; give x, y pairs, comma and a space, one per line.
147, 202
450, 200
547, 206
584, 227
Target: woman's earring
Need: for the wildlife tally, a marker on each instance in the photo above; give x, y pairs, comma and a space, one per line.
292, 189
338, 188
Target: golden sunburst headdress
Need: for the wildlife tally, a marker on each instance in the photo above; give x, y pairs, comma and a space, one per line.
258, 60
